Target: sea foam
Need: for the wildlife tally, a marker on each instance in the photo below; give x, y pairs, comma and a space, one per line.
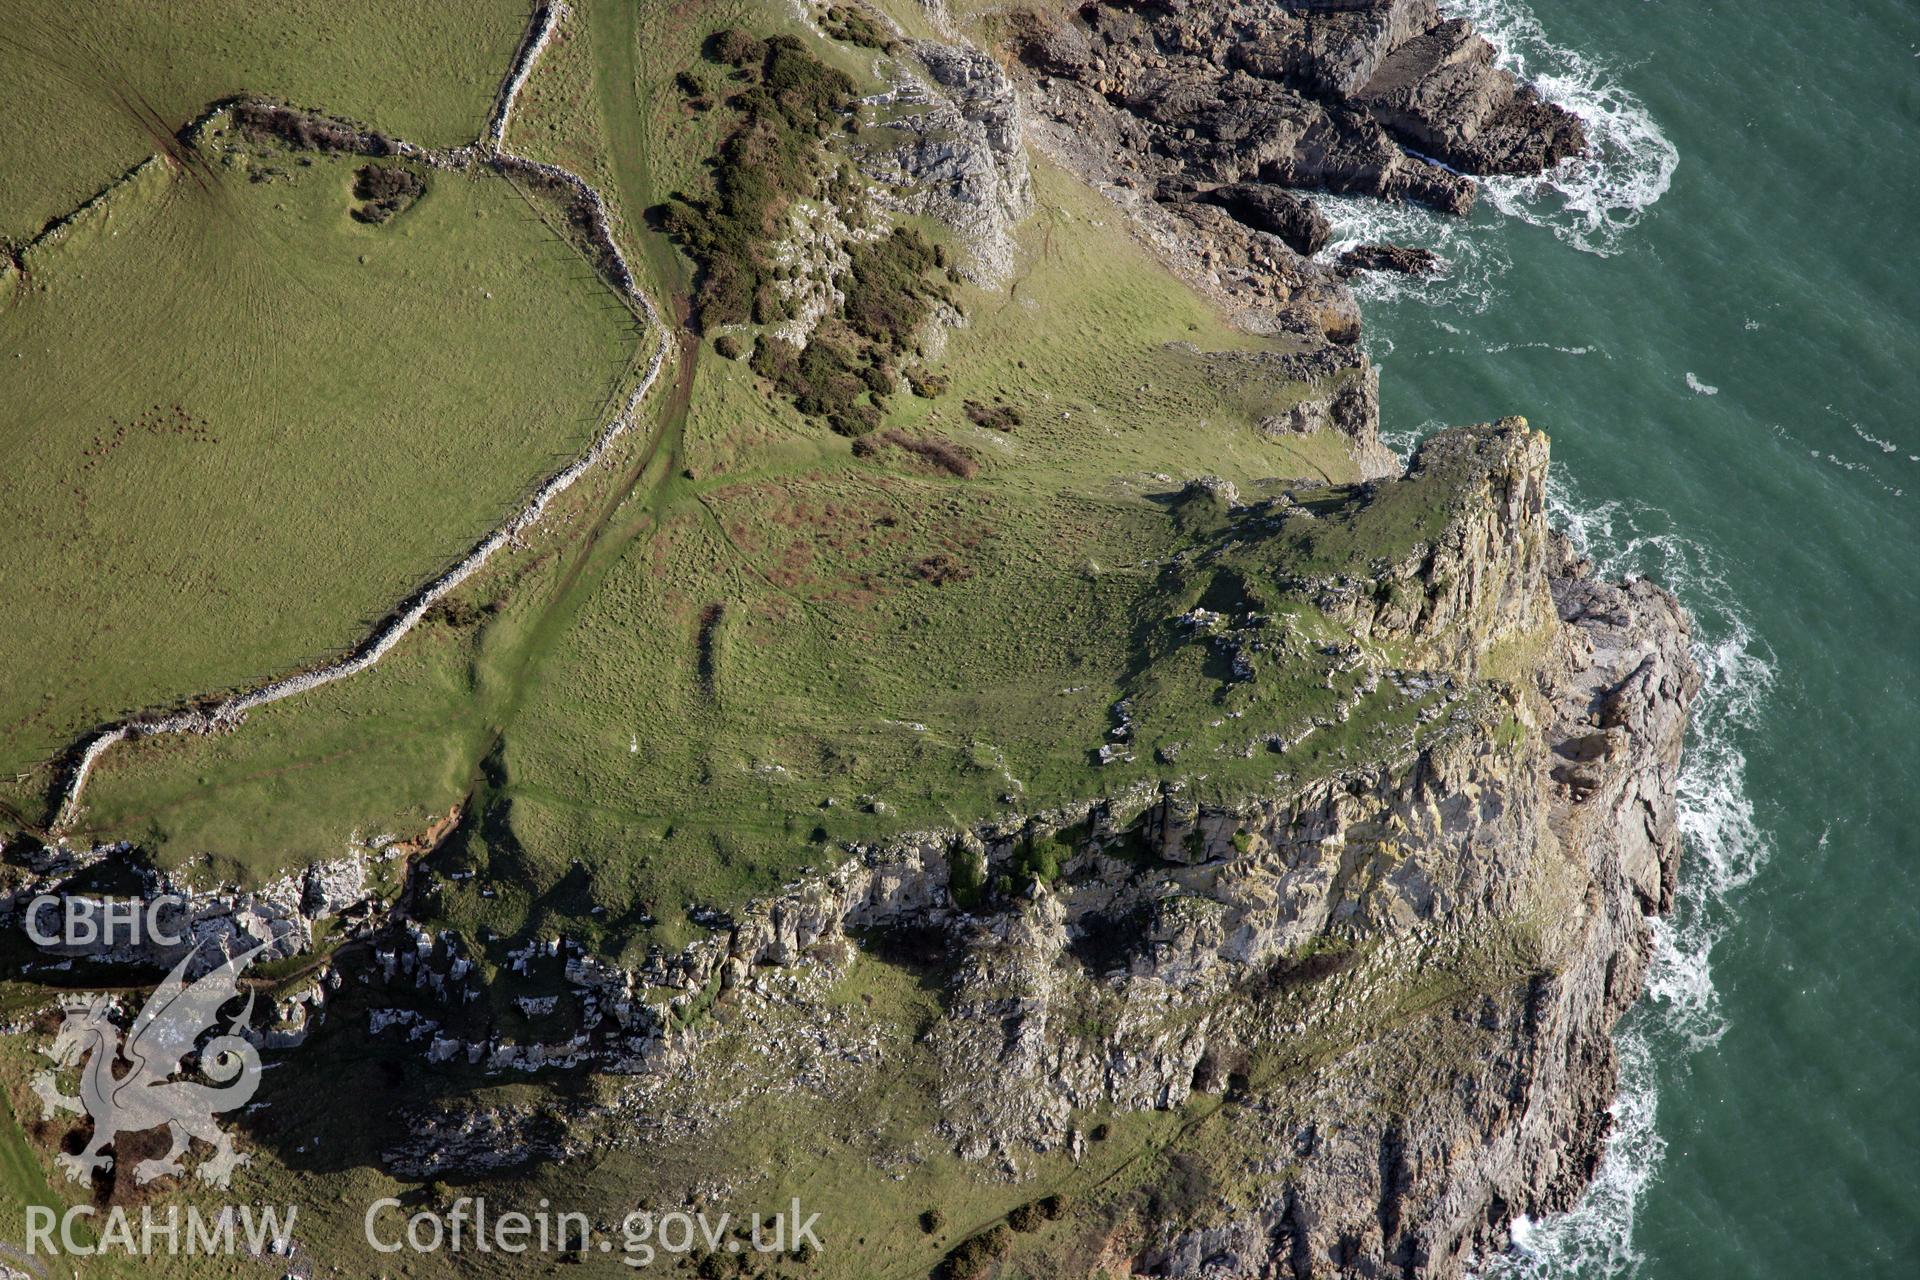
1724, 848
1591, 202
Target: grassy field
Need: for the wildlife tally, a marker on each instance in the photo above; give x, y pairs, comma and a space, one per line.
387, 751
805, 634
85, 99
242, 424
245, 424
758, 641
778, 644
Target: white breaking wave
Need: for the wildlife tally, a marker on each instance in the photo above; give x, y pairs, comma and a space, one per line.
1725, 848
1404, 441
1589, 201
1884, 446
1592, 200
1590, 1241
1700, 388
1469, 264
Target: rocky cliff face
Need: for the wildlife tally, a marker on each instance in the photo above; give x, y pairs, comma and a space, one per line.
1397, 980
1398, 1097
958, 158
1403, 979
1202, 118
1362, 96
1409, 1152
1400, 980
208, 921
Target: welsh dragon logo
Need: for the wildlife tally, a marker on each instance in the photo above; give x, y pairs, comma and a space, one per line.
127, 1088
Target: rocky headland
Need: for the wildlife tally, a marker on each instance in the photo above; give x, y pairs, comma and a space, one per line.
1399, 980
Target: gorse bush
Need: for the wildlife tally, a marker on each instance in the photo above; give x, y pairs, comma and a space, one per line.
975, 1254
1039, 860
855, 26
386, 189
785, 103
967, 877
887, 288
771, 156
846, 370
824, 379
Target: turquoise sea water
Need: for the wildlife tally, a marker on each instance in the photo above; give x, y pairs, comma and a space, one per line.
1718, 321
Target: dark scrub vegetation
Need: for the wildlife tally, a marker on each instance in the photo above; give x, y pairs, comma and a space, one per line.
385, 191
786, 103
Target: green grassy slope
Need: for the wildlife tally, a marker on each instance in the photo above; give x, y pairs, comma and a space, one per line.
87, 93
777, 633
239, 424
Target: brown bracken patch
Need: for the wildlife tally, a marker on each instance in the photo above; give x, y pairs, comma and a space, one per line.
937, 451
